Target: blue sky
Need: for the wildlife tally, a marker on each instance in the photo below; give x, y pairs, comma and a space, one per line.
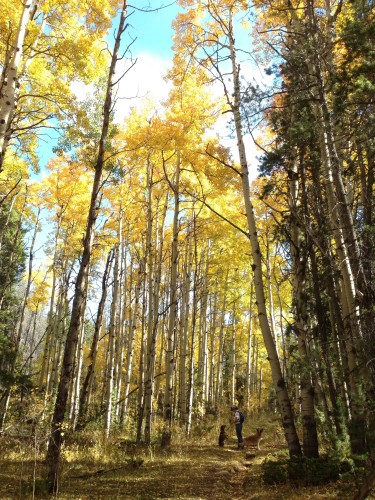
153, 30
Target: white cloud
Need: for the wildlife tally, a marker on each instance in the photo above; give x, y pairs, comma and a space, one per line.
143, 80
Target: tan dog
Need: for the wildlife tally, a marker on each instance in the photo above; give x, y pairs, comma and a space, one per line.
253, 440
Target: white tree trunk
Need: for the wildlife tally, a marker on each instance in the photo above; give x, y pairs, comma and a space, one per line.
11, 78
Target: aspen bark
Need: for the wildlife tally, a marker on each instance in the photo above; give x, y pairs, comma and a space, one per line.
11, 79
191, 371
151, 324
170, 355
109, 389
202, 371
153, 320
220, 355
250, 348
133, 328
185, 310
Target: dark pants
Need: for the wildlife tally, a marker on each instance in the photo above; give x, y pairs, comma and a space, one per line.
239, 433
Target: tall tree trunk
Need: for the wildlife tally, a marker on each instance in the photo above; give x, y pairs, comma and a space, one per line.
283, 398
299, 262
55, 441
203, 342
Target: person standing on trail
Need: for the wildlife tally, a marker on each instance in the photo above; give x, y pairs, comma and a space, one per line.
238, 419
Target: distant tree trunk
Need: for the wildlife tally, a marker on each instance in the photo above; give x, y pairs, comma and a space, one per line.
58, 335
170, 357
142, 357
109, 386
220, 355
212, 350
185, 310
191, 368
203, 341
54, 445
119, 323
271, 311
86, 390
250, 348
153, 322
43, 378
232, 363
133, 328
76, 382
29, 281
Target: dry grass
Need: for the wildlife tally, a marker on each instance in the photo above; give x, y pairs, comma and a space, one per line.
94, 468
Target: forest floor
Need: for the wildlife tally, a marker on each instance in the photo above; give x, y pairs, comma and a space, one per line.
191, 470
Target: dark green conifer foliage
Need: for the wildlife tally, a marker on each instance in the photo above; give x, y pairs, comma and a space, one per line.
12, 259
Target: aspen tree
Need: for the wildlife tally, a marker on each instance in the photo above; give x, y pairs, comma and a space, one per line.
54, 446
202, 388
155, 272
10, 83
152, 313
191, 366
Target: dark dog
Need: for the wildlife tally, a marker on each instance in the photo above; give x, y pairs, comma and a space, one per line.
222, 436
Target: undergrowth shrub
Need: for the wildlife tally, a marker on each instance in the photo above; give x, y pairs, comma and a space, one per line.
275, 472
303, 471
313, 471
